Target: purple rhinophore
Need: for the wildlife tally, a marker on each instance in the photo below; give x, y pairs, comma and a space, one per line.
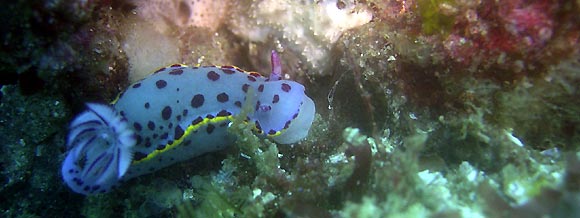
276, 73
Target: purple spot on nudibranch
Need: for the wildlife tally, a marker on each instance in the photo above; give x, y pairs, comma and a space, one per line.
223, 113
138, 139
147, 105
271, 132
197, 121
160, 84
166, 113
223, 97
258, 125
178, 132
176, 72
261, 88
257, 106
238, 103
265, 108
210, 128
161, 69
197, 101
137, 126
151, 125
275, 99
136, 85
78, 181
245, 87
286, 87
213, 76
252, 79
139, 156
164, 136
228, 71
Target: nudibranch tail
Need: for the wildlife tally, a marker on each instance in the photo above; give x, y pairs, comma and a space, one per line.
100, 147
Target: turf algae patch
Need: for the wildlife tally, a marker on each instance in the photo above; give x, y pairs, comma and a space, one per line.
30, 135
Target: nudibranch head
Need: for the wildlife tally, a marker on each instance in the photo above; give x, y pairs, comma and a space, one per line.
283, 111
100, 150
300, 125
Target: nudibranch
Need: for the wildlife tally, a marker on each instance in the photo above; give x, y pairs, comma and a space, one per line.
175, 114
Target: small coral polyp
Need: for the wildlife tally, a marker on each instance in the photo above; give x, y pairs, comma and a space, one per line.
176, 114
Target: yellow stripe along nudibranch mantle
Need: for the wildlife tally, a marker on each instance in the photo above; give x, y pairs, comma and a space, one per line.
175, 114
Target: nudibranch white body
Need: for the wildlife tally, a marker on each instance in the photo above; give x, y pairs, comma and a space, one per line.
175, 114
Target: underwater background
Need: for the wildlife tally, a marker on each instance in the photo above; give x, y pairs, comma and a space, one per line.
425, 108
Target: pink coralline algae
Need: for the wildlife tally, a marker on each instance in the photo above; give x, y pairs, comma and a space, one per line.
517, 35
532, 22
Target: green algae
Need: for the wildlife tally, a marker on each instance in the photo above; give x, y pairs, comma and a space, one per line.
433, 19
